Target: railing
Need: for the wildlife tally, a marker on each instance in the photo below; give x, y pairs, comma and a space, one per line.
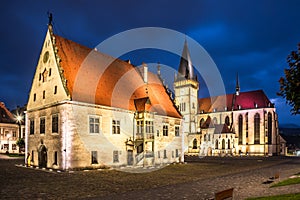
149, 154
139, 157
141, 136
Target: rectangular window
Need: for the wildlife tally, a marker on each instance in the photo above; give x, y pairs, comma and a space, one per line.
6, 146
115, 156
94, 157
34, 97
172, 154
55, 89
32, 156
176, 130
94, 124
31, 127
44, 94
55, 158
177, 153
158, 154
54, 123
165, 130
165, 153
14, 147
116, 127
42, 125
14, 134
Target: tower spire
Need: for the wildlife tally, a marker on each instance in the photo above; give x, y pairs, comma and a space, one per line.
185, 67
237, 86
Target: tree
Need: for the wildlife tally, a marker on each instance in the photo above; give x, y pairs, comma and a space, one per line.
290, 84
21, 144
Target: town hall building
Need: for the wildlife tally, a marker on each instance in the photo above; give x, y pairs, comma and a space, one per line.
87, 109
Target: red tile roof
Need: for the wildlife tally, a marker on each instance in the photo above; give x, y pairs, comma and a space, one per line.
5, 115
94, 77
245, 100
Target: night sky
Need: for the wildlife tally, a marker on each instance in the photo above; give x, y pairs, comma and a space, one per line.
252, 38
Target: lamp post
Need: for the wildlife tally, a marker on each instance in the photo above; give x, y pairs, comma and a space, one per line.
8, 136
19, 120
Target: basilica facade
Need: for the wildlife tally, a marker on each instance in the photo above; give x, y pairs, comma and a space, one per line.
242, 123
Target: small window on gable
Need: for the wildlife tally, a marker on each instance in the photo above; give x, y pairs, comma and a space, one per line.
55, 89
50, 72
34, 97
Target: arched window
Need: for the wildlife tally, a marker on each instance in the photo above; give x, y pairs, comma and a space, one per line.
246, 118
208, 137
228, 144
223, 144
215, 121
195, 143
240, 129
227, 122
270, 128
256, 128
216, 144
201, 123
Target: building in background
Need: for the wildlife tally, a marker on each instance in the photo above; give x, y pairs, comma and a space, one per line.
243, 123
11, 129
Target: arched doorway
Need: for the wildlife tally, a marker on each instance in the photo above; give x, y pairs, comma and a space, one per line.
42, 156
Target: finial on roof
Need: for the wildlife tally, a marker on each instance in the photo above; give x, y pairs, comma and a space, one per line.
158, 68
237, 86
185, 67
50, 18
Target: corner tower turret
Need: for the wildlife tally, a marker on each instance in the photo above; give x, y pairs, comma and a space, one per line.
186, 88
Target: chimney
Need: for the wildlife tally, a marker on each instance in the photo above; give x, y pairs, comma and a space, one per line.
145, 71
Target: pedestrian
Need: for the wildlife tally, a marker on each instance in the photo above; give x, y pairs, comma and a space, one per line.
28, 159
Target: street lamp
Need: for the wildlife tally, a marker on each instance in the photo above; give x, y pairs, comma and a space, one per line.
19, 120
8, 136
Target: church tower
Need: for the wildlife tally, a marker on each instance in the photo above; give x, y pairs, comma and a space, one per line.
186, 91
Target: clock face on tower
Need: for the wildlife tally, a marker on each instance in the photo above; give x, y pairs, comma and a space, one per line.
46, 56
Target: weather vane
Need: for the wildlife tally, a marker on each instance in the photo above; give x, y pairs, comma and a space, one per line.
50, 18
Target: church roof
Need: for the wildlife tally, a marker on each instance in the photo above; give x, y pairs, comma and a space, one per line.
5, 115
185, 68
245, 100
94, 77
221, 128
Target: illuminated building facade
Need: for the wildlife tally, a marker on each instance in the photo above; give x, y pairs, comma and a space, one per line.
243, 123
87, 109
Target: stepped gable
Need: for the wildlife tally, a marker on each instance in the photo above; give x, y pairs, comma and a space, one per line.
245, 100
114, 82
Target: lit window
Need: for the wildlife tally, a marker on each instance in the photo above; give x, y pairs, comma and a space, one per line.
116, 127
94, 124
256, 129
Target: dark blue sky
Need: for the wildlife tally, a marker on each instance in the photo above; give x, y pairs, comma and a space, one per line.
252, 38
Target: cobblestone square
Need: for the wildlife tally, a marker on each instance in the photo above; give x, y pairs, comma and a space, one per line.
200, 178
